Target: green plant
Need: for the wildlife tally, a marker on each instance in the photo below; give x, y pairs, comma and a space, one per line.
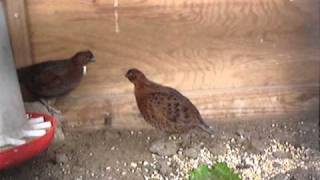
219, 171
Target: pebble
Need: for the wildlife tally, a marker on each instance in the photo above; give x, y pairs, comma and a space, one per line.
240, 133
172, 137
258, 145
164, 148
61, 158
133, 164
192, 152
165, 168
282, 176
281, 155
145, 163
276, 164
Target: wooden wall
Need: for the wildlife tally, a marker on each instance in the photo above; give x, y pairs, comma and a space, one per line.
233, 58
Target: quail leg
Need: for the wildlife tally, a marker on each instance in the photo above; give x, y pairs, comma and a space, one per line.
50, 108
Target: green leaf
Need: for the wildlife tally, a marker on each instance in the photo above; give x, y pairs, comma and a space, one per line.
219, 171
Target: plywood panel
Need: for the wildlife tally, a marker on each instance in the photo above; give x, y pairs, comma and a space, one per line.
120, 111
198, 47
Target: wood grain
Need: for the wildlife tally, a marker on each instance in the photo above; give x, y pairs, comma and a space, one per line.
121, 111
199, 47
19, 31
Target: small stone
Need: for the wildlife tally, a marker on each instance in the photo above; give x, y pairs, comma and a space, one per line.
61, 158
276, 164
133, 165
165, 169
282, 155
258, 145
145, 163
281, 176
218, 149
192, 152
240, 133
164, 148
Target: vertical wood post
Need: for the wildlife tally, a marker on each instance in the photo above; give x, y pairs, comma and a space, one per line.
19, 32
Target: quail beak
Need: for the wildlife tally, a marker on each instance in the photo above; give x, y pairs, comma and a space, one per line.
84, 70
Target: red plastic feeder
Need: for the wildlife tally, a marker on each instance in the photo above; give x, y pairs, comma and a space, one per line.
16, 155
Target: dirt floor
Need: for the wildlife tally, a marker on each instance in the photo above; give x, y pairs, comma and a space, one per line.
273, 148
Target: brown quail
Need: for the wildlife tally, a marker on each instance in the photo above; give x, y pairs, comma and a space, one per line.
164, 107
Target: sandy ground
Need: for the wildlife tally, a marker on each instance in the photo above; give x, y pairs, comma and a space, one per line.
125, 154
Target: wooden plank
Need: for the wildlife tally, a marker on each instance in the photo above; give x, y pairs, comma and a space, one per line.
55, 26
19, 31
198, 47
151, 36
214, 105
